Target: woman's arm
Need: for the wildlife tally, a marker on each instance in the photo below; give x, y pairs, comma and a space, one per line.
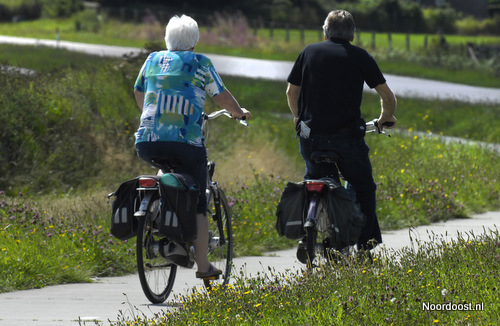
227, 101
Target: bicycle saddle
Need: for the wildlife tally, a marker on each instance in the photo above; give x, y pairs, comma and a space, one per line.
166, 163
325, 157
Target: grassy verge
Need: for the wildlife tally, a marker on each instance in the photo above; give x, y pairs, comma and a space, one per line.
431, 286
47, 59
420, 180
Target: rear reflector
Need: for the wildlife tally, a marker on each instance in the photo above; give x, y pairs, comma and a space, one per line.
315, 186
147, 182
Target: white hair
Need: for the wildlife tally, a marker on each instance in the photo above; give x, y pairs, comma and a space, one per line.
181, 33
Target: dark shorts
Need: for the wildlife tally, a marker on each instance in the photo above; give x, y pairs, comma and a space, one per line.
193, 159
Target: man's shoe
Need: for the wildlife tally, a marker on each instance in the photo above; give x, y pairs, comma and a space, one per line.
302, 252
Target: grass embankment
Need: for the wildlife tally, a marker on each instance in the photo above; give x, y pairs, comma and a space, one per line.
66, 141
452, 65
431, 286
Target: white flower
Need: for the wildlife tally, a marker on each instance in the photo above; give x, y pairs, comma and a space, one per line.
444, 292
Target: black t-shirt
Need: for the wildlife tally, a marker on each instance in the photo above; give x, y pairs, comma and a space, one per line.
331, 75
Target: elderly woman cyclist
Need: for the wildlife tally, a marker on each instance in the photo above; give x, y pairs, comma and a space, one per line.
170, 90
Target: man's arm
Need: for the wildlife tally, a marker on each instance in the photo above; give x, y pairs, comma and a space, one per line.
227, 101
292, 94
139, 98
388, 105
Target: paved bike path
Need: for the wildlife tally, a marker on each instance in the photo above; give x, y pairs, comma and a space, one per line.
279, 70
104, 298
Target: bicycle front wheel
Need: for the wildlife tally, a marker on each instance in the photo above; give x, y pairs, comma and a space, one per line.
220, 246
157, 276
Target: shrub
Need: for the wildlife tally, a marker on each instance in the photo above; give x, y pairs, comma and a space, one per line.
27, 9
87, 20
471, 26
60, 8
440, 19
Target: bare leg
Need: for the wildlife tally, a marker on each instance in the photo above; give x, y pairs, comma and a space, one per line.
201, 244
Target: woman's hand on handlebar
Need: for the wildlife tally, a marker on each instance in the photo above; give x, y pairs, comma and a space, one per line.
386, 122
246, 115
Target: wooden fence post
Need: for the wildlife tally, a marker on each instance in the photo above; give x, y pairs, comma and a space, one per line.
302, 35
271, 30
373, 40
389, 38
426, 42
287, 33
407, 42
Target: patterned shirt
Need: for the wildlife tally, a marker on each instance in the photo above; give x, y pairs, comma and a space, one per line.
175, 84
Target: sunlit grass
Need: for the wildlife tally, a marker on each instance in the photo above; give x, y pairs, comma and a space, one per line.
399, 288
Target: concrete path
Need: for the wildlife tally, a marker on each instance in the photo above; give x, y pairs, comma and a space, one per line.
279, 70
104, 298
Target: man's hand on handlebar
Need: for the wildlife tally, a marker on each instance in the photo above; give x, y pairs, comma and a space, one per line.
386, 122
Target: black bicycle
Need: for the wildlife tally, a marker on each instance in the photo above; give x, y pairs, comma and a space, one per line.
319, 229
157, 256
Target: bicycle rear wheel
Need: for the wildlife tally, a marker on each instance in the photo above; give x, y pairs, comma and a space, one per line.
156, 274
220, 246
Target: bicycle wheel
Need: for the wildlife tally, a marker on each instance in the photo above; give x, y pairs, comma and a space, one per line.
157, 276
220, 246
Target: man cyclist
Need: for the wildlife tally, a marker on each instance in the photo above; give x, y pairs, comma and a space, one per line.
324, 93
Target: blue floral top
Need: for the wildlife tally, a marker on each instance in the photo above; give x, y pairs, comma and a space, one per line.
175, 84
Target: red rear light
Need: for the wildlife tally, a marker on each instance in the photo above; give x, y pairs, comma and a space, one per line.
147, 182
314, 186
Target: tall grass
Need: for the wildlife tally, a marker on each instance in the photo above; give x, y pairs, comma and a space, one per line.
440, 283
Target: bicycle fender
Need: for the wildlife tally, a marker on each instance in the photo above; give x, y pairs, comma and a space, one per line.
143, 208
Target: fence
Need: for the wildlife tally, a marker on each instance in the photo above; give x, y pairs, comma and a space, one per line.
274, 30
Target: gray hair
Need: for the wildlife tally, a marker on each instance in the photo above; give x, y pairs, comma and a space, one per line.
181, 33
339, 24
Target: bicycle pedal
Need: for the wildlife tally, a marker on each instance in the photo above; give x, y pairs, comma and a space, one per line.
211, 278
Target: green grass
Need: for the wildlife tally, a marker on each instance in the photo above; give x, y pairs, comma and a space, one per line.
39, 248
397, 289
92, 108
47, 59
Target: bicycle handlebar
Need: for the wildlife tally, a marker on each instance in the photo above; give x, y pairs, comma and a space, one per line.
217, 114
372, 126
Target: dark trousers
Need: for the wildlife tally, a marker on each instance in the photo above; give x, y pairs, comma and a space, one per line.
355, 167
193, 159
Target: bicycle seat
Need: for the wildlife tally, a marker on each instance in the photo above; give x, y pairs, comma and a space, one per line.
325, 157
167, 163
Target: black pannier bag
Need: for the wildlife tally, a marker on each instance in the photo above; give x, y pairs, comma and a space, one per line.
344, 214
123, 222
179, 200
291, 211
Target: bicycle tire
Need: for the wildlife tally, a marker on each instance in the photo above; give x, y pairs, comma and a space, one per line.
220, 251
157, 276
